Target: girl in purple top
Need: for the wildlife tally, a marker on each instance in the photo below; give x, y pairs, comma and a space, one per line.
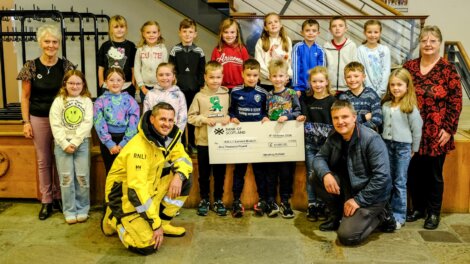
115, 117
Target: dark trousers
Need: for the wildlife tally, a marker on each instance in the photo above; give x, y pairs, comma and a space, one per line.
108, 159
218, 172
281, 172
259, 170
353, 229
426, 183
189, 96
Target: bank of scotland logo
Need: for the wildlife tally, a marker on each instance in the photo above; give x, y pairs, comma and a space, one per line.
219, 131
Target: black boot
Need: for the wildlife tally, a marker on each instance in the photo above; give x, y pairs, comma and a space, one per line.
45, 211
312, 214
414, 215
388, 223
432, 221
57, 204
332, 224
322, 211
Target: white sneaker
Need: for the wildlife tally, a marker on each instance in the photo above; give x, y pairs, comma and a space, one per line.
398, 226
82, 218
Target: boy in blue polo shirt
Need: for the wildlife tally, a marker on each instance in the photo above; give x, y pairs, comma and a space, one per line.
248, 104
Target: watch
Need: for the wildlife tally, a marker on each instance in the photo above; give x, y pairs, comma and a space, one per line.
182, 177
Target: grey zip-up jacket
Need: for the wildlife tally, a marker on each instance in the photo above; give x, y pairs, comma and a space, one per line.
336, 60
367, 163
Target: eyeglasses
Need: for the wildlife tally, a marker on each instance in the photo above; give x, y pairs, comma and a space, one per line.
430, 41
74, 83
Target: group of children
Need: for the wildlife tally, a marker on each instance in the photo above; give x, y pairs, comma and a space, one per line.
234, 88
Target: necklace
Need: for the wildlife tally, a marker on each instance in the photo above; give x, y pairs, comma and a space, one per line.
49, 62
48, 69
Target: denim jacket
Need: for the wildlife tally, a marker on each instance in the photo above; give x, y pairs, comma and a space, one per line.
367, 163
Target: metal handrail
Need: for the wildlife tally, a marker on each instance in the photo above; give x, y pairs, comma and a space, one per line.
460, 59
448, 44
422, 19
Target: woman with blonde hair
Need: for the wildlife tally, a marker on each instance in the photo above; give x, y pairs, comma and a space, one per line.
41, 80
439, 95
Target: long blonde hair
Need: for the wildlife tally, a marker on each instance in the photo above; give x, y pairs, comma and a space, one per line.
265, 35
323, 71
408, 102
226, 23
142, 41
116, 20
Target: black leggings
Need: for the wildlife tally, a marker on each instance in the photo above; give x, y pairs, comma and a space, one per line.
218, 172
108, 158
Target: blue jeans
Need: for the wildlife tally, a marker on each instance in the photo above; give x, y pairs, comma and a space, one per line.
400, 156
310, 153
74, 175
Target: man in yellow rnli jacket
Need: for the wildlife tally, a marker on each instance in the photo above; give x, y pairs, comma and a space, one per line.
148, 183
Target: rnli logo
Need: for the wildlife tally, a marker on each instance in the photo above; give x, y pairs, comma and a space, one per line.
140, 156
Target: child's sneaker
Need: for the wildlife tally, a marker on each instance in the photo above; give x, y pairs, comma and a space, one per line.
399, 225
312, 213
237, 209
322, 212
203, 207
273, 209
286, 211
219, 208
260, 208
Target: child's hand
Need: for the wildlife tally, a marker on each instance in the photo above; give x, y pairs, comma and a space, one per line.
282, 119
225, 121
210, 122
235, 120
144, 89
299, 93
300, 118
70, 149
265, 119
115, 150
368, 116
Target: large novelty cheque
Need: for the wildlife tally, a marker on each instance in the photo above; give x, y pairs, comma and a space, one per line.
250, 142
